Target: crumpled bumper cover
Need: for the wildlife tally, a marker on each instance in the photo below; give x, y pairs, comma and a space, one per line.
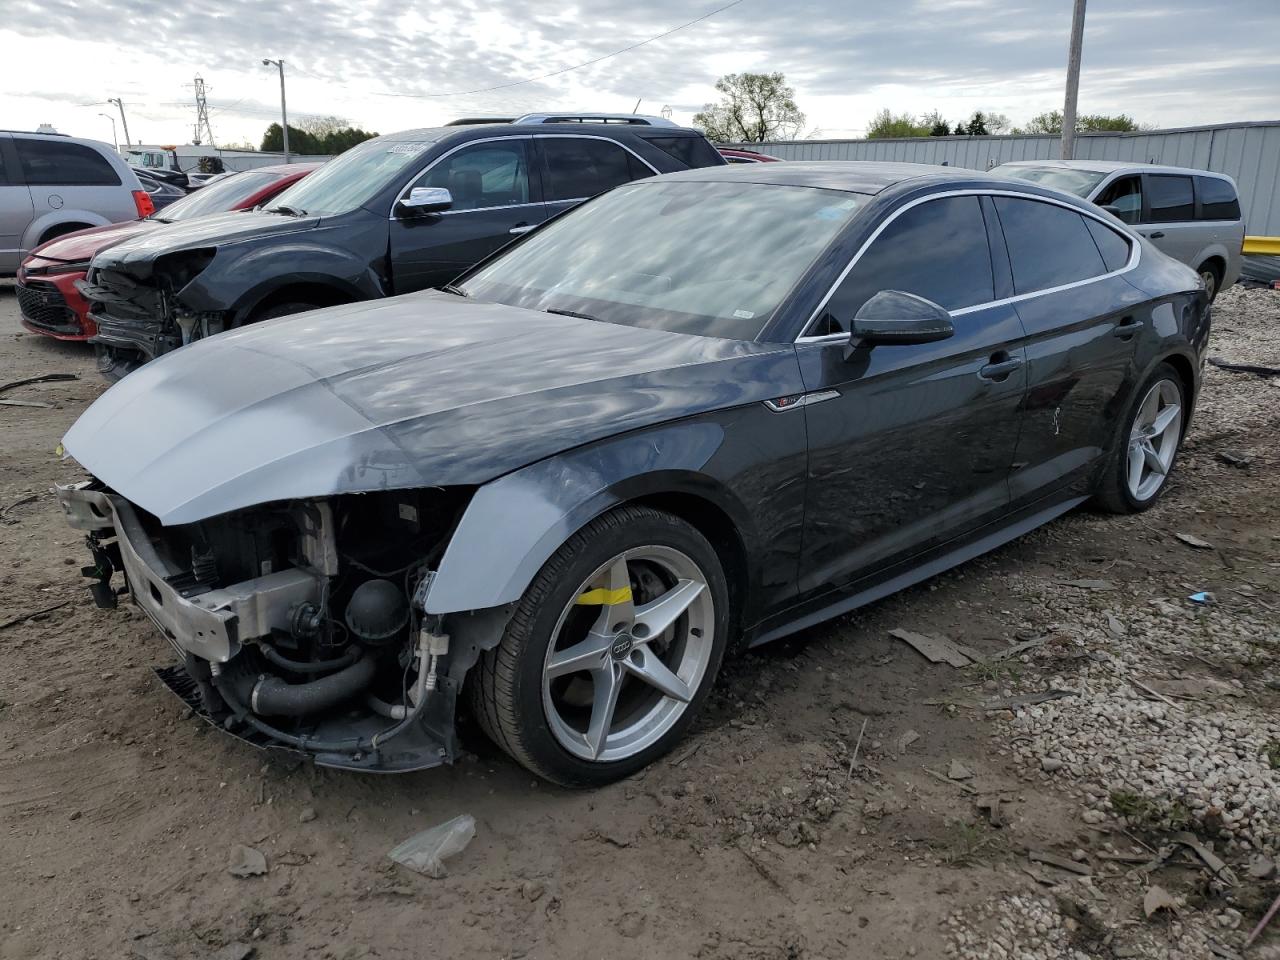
211, 624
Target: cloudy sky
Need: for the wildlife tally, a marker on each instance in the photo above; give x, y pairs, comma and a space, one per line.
388, 65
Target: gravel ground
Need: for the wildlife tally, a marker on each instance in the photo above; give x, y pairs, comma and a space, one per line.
1174, 724
841, 797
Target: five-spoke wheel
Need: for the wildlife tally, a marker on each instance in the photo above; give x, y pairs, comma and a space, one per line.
1154, 439
610, 652
1148, 446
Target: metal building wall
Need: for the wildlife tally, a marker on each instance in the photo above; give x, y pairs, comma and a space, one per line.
1248, 152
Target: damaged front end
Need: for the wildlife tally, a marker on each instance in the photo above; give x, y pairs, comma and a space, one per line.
300, 624
139, 317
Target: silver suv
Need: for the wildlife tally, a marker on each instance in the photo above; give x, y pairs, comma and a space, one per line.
51, 185
1192, 215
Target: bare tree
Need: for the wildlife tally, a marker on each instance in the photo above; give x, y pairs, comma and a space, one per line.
753, 107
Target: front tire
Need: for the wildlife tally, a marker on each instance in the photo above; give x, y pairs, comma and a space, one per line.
611, 651
288, 308
1146, 448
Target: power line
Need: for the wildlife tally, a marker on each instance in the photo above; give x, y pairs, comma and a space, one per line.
556, 73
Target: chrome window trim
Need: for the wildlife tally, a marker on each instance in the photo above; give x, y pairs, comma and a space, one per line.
444, 156
1135, 256
521, 136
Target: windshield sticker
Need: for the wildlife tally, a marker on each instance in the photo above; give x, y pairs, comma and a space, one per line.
407, 147
744, 314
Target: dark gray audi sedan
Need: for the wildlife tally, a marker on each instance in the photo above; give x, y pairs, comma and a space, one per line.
700, 411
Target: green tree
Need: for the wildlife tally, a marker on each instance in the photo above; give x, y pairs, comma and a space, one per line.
753, 107
1050, 122
1120, 123
885, 126
978, 125
936, 124
322, 136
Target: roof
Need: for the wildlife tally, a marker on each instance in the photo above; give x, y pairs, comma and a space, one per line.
854, 176
1110, 166
489, 129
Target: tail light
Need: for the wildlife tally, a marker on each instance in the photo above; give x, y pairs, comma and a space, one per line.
142, 200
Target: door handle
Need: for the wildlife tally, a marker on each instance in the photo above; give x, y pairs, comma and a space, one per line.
1000, 367
1126, 328
1157, 235
520, 228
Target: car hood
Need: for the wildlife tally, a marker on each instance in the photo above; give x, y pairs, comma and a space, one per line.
137, 255
83, 244
423, 390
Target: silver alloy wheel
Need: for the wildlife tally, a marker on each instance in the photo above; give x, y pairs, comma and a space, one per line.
628, 653
1210, 280
1153, 440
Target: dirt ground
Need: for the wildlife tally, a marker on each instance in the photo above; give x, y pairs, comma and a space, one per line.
761, 837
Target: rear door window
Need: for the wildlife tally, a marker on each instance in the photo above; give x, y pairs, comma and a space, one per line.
691, 151
577, 167
1218, 200
55, 164
1170, 198
1049, 245
485, 175
1124, 198
937, 250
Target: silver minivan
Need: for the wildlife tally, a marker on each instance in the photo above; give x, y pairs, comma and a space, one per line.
1192, 215
51, 185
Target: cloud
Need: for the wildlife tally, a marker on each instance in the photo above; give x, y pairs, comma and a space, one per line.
1150, 58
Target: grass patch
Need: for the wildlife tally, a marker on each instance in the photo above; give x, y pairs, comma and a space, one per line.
965, 843
1272, 752
1148, 814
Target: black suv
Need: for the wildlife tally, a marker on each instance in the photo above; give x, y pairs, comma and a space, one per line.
396, 214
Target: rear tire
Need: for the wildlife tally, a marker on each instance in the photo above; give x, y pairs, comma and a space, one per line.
1146, 448
61, 230
591, 681
1211, 277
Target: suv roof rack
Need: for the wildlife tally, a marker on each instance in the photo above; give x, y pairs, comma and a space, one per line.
38, 133
634, 119
468, 121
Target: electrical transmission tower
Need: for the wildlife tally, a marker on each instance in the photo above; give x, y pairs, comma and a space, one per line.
203, 130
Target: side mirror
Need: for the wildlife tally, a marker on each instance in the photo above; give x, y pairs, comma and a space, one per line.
1113, 210
427, 200
896, 317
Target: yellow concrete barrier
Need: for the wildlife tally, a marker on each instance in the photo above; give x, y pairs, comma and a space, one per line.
1262, 246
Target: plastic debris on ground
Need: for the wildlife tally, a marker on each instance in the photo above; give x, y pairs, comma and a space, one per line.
427, 851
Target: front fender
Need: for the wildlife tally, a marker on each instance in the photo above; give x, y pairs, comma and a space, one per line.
244, 277
515, 523
55, 218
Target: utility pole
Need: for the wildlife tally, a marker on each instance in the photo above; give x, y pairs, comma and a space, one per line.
284, 113
114, 139
1073, 81
119, 103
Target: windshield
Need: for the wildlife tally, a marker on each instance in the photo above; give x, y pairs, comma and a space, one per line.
218, 197
714, 259
351, 179
1079, 182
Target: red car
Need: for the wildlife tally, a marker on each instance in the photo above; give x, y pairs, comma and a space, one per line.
47, 297
733, 155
